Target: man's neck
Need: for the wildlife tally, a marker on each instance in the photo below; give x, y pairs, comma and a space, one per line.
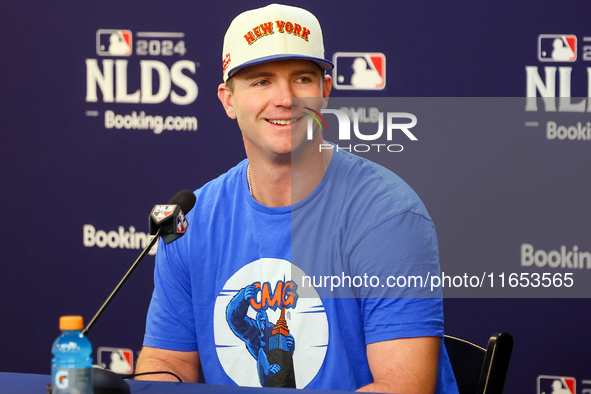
279, 183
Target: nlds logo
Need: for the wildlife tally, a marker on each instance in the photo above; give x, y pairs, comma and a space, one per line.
559, 84
557, 48
128, 71
111, 42
556, 385
359, 70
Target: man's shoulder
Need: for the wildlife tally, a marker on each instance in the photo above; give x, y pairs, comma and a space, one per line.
230, 180
215, 196
375, 187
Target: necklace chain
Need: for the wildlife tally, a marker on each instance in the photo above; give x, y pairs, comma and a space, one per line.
326, 157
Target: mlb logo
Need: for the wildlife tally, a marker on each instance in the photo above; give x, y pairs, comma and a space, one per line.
116, 359
111, 42
181, 224
556, 385
359, 70
163, 211
557, 48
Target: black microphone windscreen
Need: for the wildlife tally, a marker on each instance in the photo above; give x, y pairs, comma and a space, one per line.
184, 198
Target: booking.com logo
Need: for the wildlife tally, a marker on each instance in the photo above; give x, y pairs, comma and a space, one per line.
344, 133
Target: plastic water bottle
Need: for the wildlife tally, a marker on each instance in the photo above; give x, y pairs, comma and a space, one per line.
71, 366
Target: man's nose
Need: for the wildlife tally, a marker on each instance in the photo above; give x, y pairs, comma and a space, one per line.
284, 94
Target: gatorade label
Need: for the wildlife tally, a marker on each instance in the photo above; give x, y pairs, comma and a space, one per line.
72, 381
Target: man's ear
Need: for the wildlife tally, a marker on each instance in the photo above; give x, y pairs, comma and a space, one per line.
225, 96
326, 90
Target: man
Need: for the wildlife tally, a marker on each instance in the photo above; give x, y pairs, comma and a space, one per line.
233, 301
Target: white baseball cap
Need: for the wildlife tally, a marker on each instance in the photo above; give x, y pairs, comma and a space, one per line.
274, 32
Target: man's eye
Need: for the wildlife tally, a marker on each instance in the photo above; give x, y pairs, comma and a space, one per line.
262, 82
304, 79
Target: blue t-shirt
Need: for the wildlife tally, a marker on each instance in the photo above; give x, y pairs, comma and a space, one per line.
291, 296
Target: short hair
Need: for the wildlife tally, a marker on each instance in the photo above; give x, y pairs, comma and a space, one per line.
230, 81
230, 84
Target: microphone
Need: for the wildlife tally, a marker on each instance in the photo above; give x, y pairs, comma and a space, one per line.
169, 222
162, 223
184, 198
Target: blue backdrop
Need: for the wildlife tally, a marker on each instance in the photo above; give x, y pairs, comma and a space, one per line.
95, 134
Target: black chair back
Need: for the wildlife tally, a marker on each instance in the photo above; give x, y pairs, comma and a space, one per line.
479, 370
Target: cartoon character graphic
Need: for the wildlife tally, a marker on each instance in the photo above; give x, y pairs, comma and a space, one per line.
272, 346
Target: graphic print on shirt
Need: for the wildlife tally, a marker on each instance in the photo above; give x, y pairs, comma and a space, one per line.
266, 334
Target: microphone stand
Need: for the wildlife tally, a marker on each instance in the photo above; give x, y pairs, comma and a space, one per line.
121, 283
105, 381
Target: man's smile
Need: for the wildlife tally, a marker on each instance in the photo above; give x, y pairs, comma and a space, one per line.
283, 122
